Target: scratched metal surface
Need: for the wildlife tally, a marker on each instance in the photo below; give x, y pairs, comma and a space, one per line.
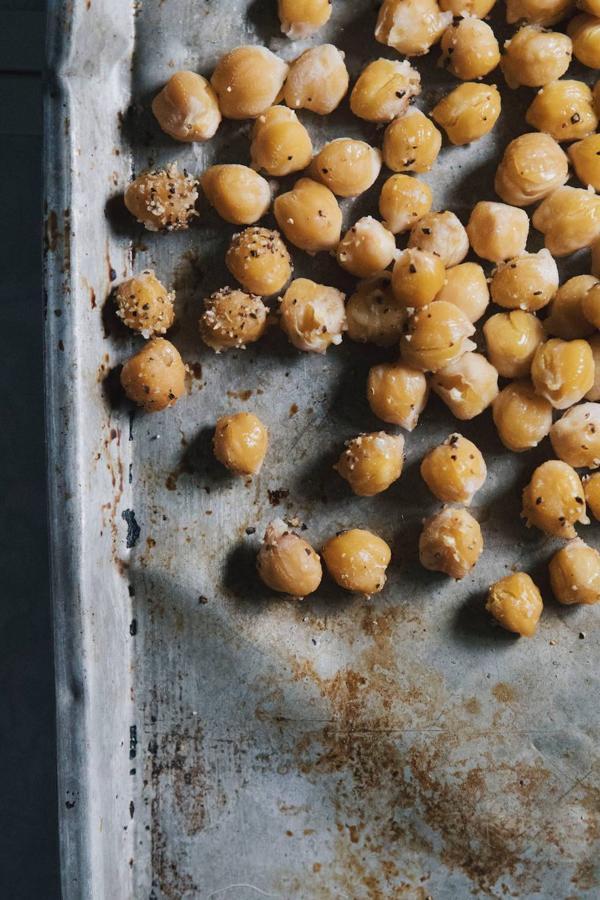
215, 740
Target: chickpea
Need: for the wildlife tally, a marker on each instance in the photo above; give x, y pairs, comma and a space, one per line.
287, 563
569, 219
367, 248
309, 216
466, 287
469, 49
584, 31
522, 418
563, 371
163, 200
280, 142
373, 315
497, 231
553, 500
317, 80
372, 462
411, 26
528, 282
259, 260
451, 542
403, 202
564, 109
567, 318
397, 394
312, 315
247, 81
575, 437
145, 305
240, 442
590, 300
444, 235
154, 378
532, 167
594, 391
596, 98
538, 12
591, 486
534, 57
478, 8
575, 574
301, 18
347, 167
357, 560
437, 334
516, 604
589, 6
417, 278
595, 248
512, 339
232, 319
454, 471
187, 108
411, 143
585, 157
468, 112
384, 90
239, 194
467, 385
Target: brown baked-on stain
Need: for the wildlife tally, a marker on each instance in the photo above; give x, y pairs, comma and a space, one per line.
195, 369
504, 693
293, 409
240, 395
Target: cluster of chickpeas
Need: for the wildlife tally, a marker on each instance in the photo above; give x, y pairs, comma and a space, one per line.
427, 297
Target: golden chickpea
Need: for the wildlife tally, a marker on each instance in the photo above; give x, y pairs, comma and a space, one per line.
145, 305
239, 194
563, 371
163, 200
467, 385
232, 319
403, 202
522, 418
466, 287
528, 282
468, 112
591, 486
594, 391
384, 90
372, 462
567, 319
280, 142
397, 394
317, 80
532, 167
497, 231
451, 542
417, 278
367, 248
512, 339
444, 235
287, 563
187, 108
553, 500
357, 560
590, 299
538, 12
347, 167
259, 260
240, 442
372, 313
575, 436
469, 49
584, 31
478, 8
155, 377
575, 574
309, 216
247, 81
411, 26
595, 248
564, 109
569, 219
589, 6
312, 315
301, 18
596, 98
534, 57
454, 471
516, 604
585, 157
411, 142
437, 334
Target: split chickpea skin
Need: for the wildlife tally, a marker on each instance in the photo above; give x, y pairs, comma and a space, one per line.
372, 314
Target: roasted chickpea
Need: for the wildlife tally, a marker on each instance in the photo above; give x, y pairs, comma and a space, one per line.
417, 278
403, 202
155, 377
575, 574
575, 436
163, 200
468, 112
595, 248
528, 282
590, 299
589, 6
584, 31
357, 560
444, 235
516, 604
372, 462
411, 142
187, 108
312, 315
372, 313
469, 49
240, 442
563, 371
497, 231
301, 18
467, 385
522, 418
411, 26
567, 319
596, 98
534, 57
280, 142
591, 486
594, 391
259, 260
397, 394
585, 157
512, 339
384, 90
564, 109
478, 8
287, 563
347, 167
145, 305
569, 219
232, 319
466, 287
553, 500
451, 542
532, 167
454, 471
367, 248
317, 80
309, 216
238, 193
247, 81
538, 12
437, 334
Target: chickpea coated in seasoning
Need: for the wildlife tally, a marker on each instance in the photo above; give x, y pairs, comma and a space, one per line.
239, 194
436, 335
516, 604
312, 315
163, 199
522, 418
259, 260
534, 57
569, 219
240, 442
411, 143
301, 18
575, 437
591, 486
372, 313
590, 300
287, 563
417, 277
309, 216
187, 108
512, 339
469, 49
154, 378
247, 81
563, 371
444, 235
451, 542
527, 282
455, 470
384, 90
232, 319
553, 501
532, 167
466, 287
280, 142
497, 231
575, 574
357, 561
584, 31
347, 167
317, 80
367, 248
411, 26
468, 112
397, 394
144, 304
564, 109
372, 462
538, 12
477, 8
403, 202
585, 159
467, 385
567, 318
594, 391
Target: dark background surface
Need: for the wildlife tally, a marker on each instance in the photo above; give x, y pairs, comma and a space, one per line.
28, 813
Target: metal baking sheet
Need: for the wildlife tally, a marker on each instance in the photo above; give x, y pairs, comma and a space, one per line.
216, 740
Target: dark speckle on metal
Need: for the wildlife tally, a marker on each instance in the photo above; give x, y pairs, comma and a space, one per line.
133, 529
